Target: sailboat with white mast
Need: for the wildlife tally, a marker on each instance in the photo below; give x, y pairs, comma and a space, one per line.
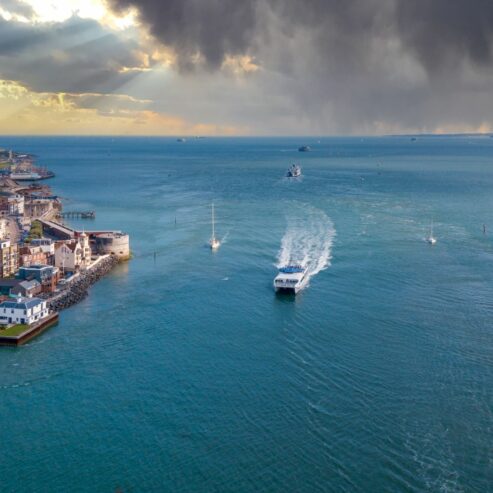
214, 242
431, 239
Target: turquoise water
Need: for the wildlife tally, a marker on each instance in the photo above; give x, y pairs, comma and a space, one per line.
183, 371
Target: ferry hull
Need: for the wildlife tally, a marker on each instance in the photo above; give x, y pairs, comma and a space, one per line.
286, 290
289, 290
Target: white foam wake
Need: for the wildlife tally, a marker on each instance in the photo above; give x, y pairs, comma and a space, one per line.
308, 239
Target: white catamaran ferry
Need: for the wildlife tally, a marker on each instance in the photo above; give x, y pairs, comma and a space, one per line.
291, 278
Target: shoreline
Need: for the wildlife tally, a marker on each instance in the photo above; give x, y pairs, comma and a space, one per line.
78, 289
32, 212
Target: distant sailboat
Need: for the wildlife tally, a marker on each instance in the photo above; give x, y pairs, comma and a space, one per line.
431, 239
214, 242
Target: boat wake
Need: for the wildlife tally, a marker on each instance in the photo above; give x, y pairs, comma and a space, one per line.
308, 240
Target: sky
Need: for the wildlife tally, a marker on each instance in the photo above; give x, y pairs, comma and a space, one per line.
246, 67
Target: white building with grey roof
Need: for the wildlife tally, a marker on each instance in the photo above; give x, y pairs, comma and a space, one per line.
23, 311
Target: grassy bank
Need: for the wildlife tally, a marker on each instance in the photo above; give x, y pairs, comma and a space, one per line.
13, 331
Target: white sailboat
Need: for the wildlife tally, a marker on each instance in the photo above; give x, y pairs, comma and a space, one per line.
214, 242
431, 239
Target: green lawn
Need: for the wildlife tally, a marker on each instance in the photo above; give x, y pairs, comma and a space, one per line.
15, 330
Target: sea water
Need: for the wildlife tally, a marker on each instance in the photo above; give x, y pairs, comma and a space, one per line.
183, 371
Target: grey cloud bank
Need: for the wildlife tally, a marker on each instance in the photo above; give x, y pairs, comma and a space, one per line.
325, 66
343, 66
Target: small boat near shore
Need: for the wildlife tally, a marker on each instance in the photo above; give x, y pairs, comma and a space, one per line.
304, 148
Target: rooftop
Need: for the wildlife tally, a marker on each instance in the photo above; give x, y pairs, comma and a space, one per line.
21, 303
37, 267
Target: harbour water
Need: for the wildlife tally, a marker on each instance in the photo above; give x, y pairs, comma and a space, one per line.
183, 371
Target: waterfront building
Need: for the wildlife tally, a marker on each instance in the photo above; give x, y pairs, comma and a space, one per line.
69, 255
39, 206
23, 311
26, 288
112, 243
86, 248
46, 275
16, 205
32, 255
6, 286
46, 244
14, 287
11, 203
9, 258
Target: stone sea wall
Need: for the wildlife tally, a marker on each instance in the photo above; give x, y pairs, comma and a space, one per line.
78, 289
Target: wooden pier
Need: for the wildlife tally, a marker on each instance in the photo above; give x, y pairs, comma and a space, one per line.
78, 214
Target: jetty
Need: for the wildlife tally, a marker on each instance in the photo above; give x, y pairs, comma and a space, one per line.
78, 214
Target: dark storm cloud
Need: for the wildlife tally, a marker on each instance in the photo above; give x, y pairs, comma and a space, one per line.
336, 65
444, 31
211, 28
436, 31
